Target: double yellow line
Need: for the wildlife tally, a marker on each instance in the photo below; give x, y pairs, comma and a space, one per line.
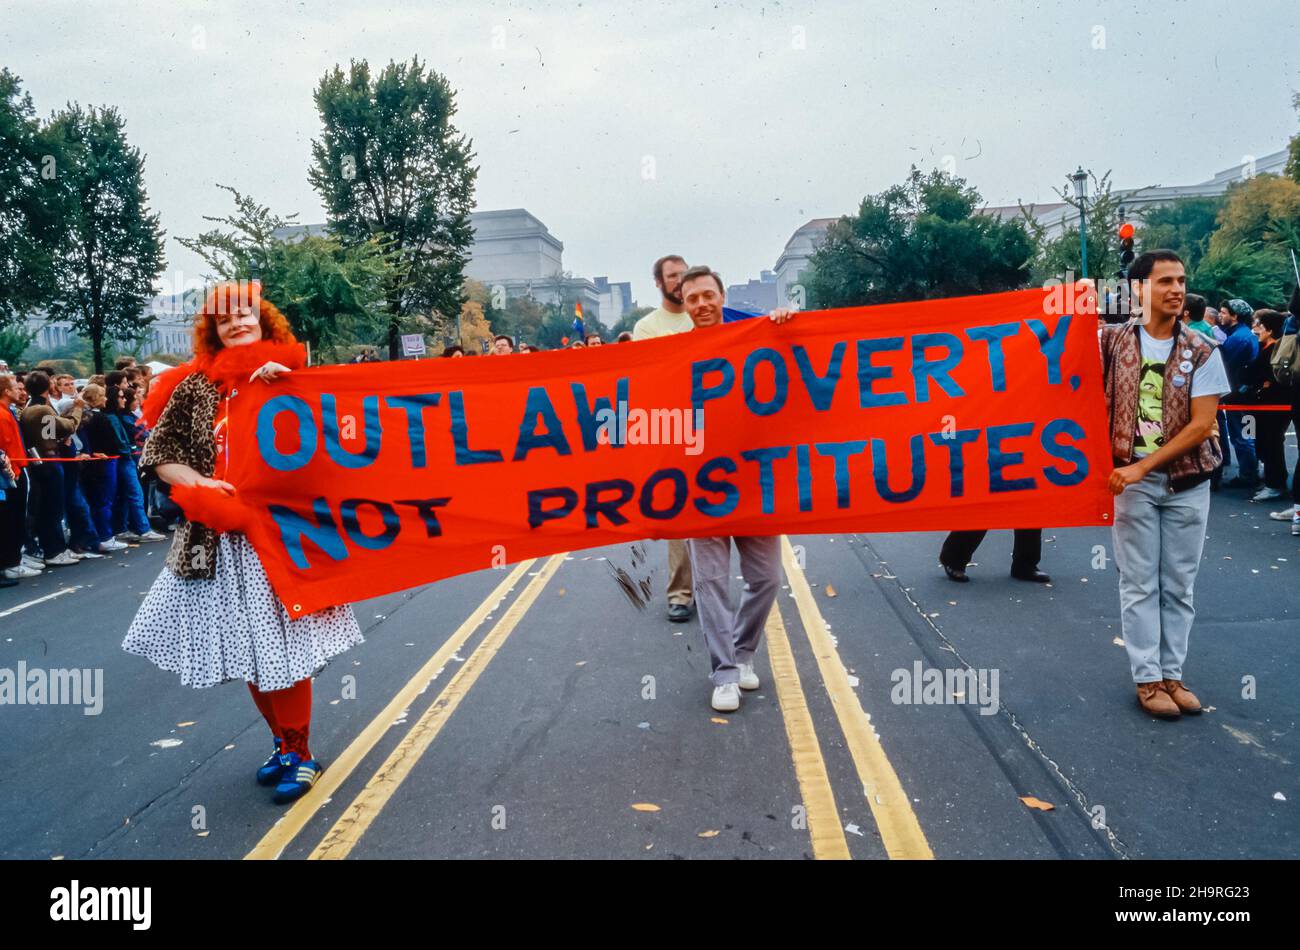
899, 829
348, 830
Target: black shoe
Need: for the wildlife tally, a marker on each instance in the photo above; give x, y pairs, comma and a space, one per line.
1240, 482
7, 581
1032, 574
954, 574
679, 613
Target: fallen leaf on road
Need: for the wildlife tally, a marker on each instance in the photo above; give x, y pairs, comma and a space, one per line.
581, 663
644, 806
1118, 642
719, 720
182, 725
203, 834
560, 592
711, 834
1033, 802
830, 591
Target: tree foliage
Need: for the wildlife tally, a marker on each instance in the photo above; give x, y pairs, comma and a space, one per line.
390, 167
332, 294
29, 209
109, 249
918, 240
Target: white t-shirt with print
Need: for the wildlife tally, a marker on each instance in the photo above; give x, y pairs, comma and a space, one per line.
1210, 380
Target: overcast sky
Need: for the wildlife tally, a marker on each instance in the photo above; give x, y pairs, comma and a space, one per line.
707, 129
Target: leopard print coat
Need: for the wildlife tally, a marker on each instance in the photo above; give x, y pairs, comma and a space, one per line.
184, 435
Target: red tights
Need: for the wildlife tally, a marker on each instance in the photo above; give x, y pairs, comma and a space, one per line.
288, 713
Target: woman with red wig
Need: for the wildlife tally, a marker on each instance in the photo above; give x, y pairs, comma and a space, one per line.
211, 615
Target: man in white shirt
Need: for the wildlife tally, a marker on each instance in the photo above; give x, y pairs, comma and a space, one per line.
671, 317
1163, 382
732, 634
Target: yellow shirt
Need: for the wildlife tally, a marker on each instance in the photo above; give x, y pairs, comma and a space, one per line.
661, 323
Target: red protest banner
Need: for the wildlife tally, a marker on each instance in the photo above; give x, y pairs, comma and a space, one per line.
980, 412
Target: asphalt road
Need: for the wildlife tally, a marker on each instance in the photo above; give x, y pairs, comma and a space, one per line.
535, 712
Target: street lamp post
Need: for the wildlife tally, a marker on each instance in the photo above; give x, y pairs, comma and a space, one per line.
1080, 181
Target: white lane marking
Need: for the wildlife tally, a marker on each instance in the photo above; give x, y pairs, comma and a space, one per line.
40, 600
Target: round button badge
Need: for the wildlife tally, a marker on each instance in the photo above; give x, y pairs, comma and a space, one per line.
1185, 366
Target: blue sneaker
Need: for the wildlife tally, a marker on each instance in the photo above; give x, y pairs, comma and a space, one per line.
299, 777
272, 768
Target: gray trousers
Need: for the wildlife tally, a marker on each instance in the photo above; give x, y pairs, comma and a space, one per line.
733, 635
1158, 537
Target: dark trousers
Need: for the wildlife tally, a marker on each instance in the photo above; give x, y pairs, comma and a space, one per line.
48, 477
959, 547
1295, 420
13, 522
101, 490
75, 509
1270, 443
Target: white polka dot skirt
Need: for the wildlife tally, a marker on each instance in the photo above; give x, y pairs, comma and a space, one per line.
233, 627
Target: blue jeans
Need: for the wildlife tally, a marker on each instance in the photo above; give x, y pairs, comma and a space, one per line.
101, 490
1247, 463
129, 513
1158, 537
75, 509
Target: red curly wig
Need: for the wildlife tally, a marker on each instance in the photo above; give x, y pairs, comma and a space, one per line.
228, 296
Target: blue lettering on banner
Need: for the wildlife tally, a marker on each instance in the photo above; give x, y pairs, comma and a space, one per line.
880, 470
1066, 453
869, 375
538, 407
731, 494
999, 459
266, 433
924, 369
993, 335
324, 533
764, 459
414, 406
765, 354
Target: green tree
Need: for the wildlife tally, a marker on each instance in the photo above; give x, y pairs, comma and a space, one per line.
628, 321
1257, 274
915, 241
1059, 257
29, 206
331, 294
1293, 147
110, 247
14, 341
390, 166
1183, 226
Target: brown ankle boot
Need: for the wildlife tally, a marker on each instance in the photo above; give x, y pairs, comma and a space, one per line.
1183, 697
1153, 699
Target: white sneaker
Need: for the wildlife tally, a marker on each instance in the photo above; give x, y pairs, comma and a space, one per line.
1286, 514
21, 572
152, 536
1266, 494
128, 536
113, 545
34, 563
726, 698
63, 560
748, 678
1295, 524
87, 555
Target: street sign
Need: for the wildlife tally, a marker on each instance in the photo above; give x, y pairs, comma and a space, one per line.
412, 344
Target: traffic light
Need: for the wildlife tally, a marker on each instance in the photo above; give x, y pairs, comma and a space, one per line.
1125, 247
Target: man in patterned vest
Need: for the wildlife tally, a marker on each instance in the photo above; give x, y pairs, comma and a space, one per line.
1163, 383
